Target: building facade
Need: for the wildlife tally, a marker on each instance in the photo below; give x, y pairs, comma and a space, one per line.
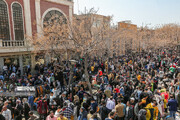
96, 19
22, 18
128, 42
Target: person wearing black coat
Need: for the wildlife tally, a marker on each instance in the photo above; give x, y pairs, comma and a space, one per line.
129, 112
60, 77
127, 92
104, 111
80, 94
18, 115
78, 75
83, 114
26, 111
2, 117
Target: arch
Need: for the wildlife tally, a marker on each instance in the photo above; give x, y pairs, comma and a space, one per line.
18, 21
52, 9
4, 21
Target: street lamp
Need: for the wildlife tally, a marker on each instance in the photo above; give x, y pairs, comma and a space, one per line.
72, 63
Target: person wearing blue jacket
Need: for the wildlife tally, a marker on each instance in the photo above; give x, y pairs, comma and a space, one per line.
83, 114
31, 102
172, 103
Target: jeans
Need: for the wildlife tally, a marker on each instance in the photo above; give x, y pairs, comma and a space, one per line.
172, 114
106, 81
35, 105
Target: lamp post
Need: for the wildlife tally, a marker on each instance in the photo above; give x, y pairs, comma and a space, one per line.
178, 49
72, 63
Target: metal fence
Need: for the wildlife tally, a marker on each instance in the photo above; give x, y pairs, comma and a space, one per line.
12, 94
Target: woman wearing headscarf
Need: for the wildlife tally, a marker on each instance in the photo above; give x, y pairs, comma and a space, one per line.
83, 114
26, 108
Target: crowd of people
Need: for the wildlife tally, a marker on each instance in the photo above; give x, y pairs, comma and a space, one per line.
140, 86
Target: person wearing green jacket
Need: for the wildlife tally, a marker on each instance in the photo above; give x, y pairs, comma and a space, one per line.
172, 69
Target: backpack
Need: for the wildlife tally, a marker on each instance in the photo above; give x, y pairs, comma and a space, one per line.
142, 114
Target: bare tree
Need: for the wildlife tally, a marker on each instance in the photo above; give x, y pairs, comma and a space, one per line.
54, 37
89, 37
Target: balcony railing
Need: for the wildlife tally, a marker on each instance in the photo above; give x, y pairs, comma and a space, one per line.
12, 43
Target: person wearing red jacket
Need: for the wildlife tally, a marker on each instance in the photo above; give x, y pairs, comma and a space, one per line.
42, 109
100, 73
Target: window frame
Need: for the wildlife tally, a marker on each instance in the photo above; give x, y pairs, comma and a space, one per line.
8, 20
22, 13
50, 9
48, 16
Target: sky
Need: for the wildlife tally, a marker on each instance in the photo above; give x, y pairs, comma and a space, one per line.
149, 13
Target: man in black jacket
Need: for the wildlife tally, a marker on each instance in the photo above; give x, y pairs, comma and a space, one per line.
104, 111
127, 91
61, 79
2, 117
129, 112
26, 108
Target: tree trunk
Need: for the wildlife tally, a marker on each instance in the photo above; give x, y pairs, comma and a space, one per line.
70, 77
66, 57
107, 69
87, 75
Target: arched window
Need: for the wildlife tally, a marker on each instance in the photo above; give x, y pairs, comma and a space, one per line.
18, 21
4, 22
52, 17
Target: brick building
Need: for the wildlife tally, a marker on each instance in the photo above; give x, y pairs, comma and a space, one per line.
21, 18
128, 44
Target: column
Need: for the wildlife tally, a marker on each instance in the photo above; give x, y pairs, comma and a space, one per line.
27, 13
1, 63
33, 63
38, 15
21, 64
70, 13
1, 44
47, 58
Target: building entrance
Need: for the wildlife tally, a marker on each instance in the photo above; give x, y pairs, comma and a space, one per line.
10, 63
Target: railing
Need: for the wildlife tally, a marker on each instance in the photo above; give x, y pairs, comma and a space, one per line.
12, 43
12, 94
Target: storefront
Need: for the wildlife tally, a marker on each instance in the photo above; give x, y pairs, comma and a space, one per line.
19, 61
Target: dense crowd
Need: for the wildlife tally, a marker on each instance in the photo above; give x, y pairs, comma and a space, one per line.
140, 86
